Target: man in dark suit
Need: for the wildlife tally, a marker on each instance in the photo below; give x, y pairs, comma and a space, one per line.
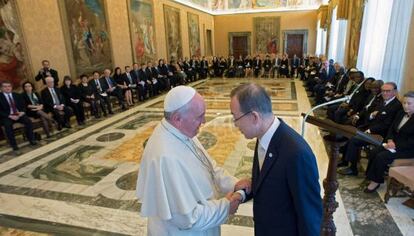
12, 110
54, 102
378, 123
398, 144
285, 187
100, 93
111, 88
46, 71
295, 65
276, 65
257, 66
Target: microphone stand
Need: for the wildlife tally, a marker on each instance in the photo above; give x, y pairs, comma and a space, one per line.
343, 99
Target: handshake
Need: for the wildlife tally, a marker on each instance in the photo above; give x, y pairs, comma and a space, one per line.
236, 198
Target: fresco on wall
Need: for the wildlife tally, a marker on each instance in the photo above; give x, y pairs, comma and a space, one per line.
88, 35
266, 34
203, 3
269, 3
232, 5
217, 5
14, 65
193, 34
142, 30
239, 4
173, 32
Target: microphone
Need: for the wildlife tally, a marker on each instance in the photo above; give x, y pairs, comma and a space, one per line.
343, 99
346, 99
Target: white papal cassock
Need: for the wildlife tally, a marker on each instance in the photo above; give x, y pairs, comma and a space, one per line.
176, 190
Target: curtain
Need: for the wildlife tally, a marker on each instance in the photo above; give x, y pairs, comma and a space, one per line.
394, 58
320, 40
355, 23
337, 38
375, 25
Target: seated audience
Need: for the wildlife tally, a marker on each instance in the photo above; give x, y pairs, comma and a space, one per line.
72, 97
13, 110
35, 109
100, 93
109, 85
87, 92
54, 102
398, 144
122, 83
379, 121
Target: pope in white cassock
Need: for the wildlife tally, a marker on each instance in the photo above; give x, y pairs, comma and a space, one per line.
182, 190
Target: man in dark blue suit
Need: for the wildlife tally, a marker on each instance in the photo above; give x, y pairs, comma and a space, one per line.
285, 187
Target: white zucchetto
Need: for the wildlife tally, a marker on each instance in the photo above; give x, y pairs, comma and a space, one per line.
178, 97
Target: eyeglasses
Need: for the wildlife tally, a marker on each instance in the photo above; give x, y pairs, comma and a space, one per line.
387, 91
236, 119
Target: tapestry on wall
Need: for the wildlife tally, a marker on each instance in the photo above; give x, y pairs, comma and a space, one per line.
173, 32
194, 34
14, 65
266, 31
89, 36
142, 30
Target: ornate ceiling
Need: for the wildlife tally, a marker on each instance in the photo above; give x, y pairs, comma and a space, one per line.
218, 7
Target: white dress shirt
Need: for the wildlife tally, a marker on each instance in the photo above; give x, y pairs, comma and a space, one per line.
264, 141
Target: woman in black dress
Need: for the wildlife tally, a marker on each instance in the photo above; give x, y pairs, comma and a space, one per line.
34, 106
87, 92
120, 80
72, 96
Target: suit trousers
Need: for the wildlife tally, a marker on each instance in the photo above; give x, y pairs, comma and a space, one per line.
8, 127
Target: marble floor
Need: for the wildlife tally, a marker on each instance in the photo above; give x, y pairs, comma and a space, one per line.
82, 183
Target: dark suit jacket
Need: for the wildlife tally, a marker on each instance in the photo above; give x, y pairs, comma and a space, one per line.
5, 107
404, 137
105, 85
286, 193
53, 73
28, 102
384, 118
48, 100
257, 63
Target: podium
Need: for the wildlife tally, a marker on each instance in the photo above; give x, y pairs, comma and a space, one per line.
339, 135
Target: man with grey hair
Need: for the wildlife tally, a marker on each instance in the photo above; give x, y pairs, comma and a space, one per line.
182, 190
54, 102
285, 187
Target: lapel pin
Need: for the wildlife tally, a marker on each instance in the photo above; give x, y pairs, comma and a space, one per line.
270, 154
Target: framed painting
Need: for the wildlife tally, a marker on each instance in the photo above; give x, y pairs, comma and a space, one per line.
172, 24
266, 34
87, 29
141, 24
14, 63
193, 34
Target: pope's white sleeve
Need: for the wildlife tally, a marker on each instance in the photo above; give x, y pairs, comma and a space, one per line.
203, 217
224, 180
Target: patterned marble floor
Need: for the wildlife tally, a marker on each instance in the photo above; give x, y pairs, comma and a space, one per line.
83, 183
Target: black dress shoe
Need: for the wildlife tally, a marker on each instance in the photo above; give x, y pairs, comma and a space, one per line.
367, 190
33, 143
348, 171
